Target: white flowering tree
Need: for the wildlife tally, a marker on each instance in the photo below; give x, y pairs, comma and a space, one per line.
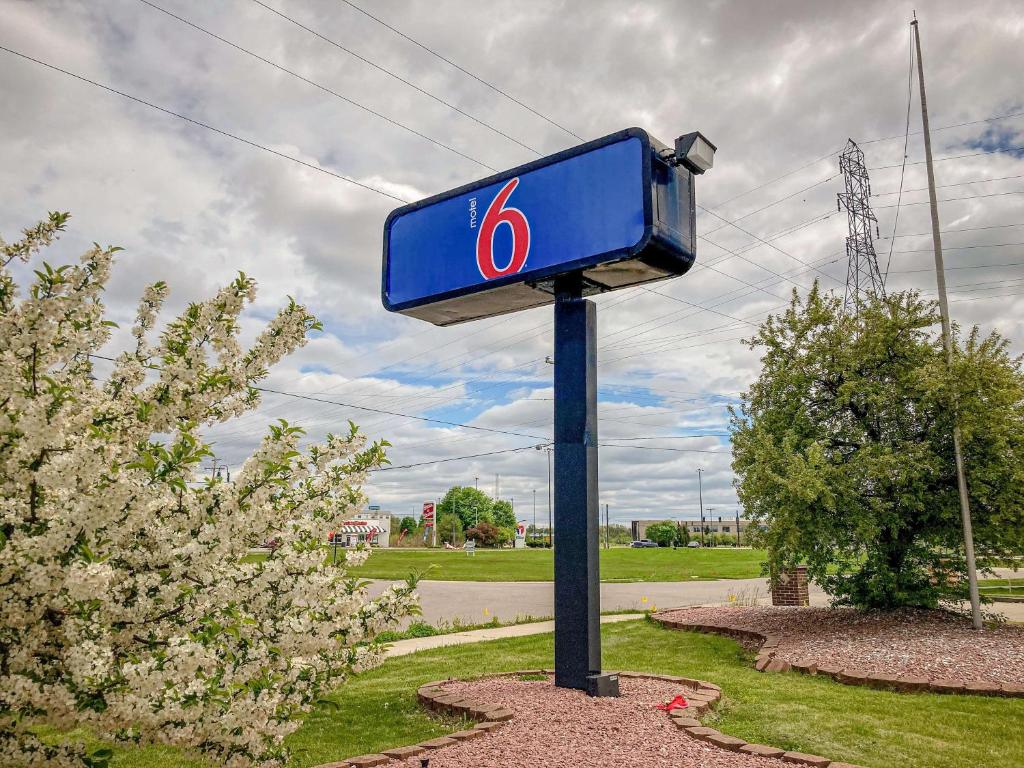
126, 600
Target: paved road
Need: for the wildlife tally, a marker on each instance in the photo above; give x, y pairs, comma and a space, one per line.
475, 602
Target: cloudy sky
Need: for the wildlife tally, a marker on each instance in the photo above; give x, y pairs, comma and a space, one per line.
779, 87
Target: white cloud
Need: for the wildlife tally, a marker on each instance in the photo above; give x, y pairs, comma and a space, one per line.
774, 86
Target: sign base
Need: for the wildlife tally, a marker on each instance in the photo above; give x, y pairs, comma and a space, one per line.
603, 685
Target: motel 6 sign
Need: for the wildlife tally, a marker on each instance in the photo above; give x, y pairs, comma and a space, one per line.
609, 214
619, 210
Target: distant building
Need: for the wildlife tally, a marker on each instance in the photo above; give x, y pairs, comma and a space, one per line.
372, 527
715, 524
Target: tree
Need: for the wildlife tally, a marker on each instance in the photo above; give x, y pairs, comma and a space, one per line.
408, 525
449, 528
682, 535
663, 533
485, 534
504, 516
843, 449
618, 534
469, 504
128, 604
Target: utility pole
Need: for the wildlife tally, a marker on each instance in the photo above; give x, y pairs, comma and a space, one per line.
607, 526
947, 340
700, 495
476, 483
547, 448
737, 527
535, 513
496, 486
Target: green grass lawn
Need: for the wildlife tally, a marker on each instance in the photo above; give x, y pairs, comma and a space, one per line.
1002, 587
620, 564
875, 729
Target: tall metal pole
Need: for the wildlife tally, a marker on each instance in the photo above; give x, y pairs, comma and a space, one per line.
551, 527
577, 589
947, 340
535, 513
737, 528
607, 526
700, 495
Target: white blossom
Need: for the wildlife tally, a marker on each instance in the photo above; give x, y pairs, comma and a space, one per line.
127, 605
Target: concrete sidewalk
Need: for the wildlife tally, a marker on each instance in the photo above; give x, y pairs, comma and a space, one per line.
414, 644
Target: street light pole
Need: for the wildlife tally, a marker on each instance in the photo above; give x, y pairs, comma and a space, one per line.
551, 529
547, 448
700, 495
947, 341
535, 513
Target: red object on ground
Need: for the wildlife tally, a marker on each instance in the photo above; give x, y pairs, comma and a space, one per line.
677, 703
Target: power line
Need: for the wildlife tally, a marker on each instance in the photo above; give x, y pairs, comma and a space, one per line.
903, 166
954, 199
315, 84
1000, 150
867, 141
660, 448
201, 124
975, 266
673, 437
300, 396
401, 79
455, 458
961, 229
955, 184
762, 240
777, 178
448, 61
985, 298
948, 127
698, 306
962, 248
773, 203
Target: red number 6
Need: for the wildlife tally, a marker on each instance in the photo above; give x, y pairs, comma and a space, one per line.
496, 215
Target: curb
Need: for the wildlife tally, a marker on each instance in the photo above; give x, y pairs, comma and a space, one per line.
703, 698
769, 659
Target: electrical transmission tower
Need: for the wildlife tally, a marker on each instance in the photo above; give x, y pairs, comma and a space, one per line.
863, 277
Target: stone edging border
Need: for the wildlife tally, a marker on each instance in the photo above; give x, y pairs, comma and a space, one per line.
491, 716
769, 660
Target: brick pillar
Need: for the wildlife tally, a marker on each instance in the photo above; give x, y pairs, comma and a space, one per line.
791, 587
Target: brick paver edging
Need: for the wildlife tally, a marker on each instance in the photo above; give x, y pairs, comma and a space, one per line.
700, 700
769, 659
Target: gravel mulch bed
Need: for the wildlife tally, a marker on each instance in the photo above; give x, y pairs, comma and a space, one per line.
560, 727
931, 644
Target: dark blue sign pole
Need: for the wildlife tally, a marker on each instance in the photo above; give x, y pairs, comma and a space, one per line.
577, 586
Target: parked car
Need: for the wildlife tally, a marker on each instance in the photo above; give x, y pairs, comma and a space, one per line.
643, 544
694, 545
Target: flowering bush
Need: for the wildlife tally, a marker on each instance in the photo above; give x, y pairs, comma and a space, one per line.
128, 605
